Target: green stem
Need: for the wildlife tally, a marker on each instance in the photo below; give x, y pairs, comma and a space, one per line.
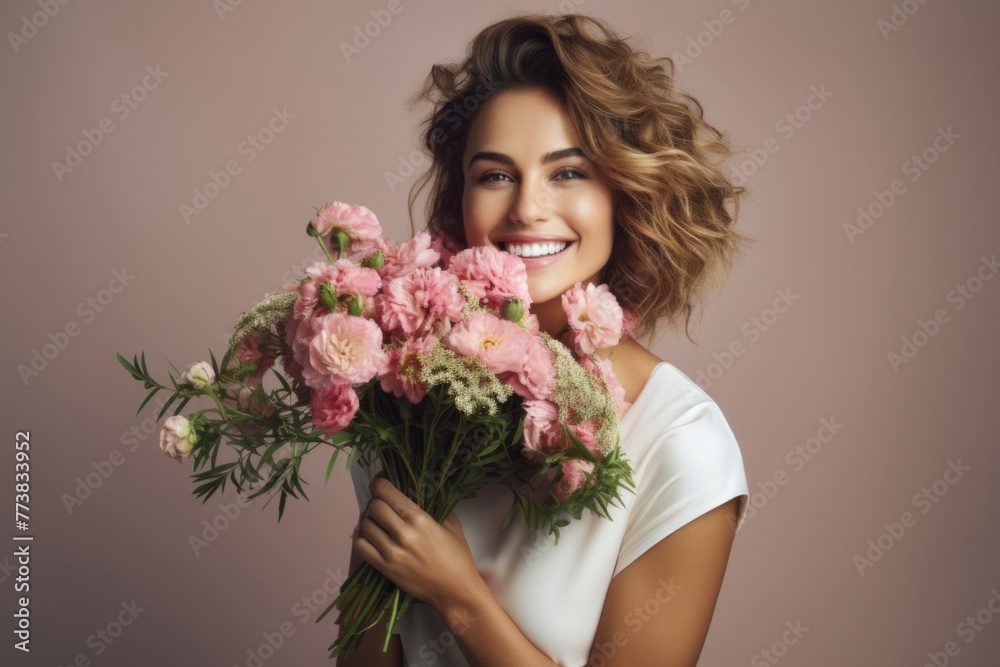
326, 250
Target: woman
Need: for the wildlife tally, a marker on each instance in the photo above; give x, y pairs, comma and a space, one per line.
557, 141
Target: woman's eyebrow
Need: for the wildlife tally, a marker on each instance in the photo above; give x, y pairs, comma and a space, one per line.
551, 156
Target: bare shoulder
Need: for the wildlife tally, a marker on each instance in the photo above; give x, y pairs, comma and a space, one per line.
632, 364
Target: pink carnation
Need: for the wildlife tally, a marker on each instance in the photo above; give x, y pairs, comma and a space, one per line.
343, 349
420, 303
447, 246
542, 431
401, 374
497, 343
574, 477
334, 407
346, 277
586, 431
492, 275
358, 222
629, 321
532, 380
254, 355
594, 316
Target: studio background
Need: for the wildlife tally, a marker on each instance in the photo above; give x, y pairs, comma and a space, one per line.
876, 107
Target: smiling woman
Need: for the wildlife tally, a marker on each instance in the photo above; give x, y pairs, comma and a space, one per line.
585, 159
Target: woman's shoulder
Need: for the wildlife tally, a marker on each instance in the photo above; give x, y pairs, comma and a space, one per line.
633, 366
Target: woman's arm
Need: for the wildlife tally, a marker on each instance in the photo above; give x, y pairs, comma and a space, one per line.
369, 651
659, 608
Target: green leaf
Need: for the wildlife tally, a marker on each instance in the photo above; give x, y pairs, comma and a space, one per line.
166, 406
329, 466
151, 394
281, 506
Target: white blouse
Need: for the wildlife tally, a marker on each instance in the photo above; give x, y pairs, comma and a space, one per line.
685, 462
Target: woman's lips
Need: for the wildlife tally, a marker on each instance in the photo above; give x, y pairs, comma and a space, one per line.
531, 263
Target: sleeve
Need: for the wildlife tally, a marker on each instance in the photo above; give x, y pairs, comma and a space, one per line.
362, 474
692, 466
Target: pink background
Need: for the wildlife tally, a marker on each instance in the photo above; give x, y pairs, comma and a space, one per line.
826, 356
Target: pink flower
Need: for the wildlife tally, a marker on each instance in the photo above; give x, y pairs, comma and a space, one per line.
401, 374
343, 349
255, 357
497, 343
343, 276
574, 477
346, 277
629, 321
594, 316
250, 401
177, 438
358, 222
587, 432
420, 303
542, 431
447, 246
492, 275
417, 253
299, 344
532, 379
334, 407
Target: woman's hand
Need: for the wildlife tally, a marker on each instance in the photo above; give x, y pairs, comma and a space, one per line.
430, 561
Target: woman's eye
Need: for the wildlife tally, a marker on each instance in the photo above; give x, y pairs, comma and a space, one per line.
488, 176
567, 172
571, 171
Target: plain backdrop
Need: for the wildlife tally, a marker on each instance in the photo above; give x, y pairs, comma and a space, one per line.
852, 350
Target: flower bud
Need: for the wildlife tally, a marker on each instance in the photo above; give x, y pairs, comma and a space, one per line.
198, 375
512, 310
356, 306
177, 438
376, 260
328, 297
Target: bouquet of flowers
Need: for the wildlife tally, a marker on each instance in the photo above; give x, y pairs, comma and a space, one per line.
423, 356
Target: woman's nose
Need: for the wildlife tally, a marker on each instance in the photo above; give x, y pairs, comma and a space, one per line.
532, 204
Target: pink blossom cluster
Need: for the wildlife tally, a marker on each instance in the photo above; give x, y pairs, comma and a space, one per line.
378, 311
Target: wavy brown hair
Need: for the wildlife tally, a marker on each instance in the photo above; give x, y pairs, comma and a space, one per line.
672, 230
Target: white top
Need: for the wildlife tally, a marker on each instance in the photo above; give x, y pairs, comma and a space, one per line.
685, 462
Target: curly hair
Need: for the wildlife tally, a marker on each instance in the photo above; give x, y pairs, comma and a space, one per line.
672, 230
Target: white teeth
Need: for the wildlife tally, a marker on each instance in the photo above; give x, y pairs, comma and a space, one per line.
535, 249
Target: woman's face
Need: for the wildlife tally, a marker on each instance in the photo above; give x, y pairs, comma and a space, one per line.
529, 190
